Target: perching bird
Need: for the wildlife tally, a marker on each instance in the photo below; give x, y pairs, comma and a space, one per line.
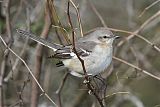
95, 48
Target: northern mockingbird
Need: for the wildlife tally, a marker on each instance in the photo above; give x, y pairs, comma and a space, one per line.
95, 48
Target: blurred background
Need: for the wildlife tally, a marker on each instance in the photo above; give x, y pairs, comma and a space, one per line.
126, 85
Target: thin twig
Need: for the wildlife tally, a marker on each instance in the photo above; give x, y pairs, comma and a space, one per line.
134, 100
38, 60
22, 51
63, 30
55, 19
116, 94
15, 104
89, 85
73, 38
28, 70
78, 17
137, 35
8, 23
20, 93
97, 13
132, 33
59, 90
10, 41
138, 68
148, 7
140, 28
18, 12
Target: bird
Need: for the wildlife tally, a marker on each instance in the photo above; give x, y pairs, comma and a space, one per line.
95, 48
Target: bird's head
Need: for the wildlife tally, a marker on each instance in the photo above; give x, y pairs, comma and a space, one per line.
102, 35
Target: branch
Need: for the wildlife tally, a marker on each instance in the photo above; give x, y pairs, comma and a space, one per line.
133, 66
78, 16
148, 7
89, 85
10, 41
38, 60
55, 19
22, 51
59, 90
139, 36
97, 13
140, 28
29, 71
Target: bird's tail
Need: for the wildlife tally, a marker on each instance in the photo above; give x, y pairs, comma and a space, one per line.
39, 40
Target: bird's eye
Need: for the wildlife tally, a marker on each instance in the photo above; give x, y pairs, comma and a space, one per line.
105, 37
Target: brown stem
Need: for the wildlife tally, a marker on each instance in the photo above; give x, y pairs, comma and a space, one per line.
149, 20
89, 85
38, 61
59, 90
10, 41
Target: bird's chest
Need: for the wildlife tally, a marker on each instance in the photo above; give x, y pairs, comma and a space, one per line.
102, 52
98, 60
101, 55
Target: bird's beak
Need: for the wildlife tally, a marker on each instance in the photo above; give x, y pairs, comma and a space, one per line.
116, 37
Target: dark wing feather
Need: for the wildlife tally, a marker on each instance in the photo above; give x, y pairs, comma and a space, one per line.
82, 48
64, 52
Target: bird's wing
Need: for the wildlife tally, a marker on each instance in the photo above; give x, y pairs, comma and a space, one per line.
39, 40
83, 49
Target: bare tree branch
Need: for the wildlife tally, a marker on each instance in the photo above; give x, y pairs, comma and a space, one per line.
10, 41
140, 28
38, 60
148, 7
89, 85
